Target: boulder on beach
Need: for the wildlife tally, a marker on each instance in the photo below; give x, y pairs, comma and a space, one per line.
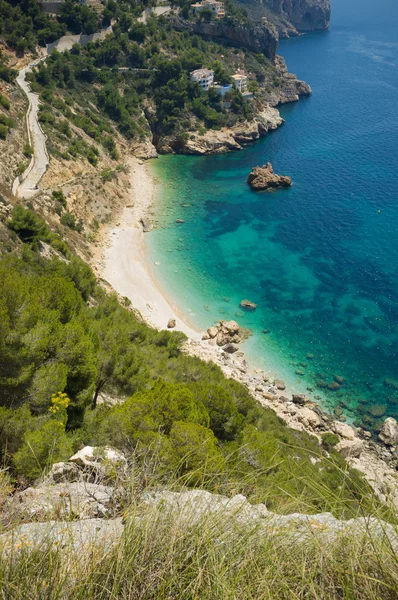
264, 178
212, 331
248, 305
389, 432
280, 385
350, 448
225, 332
299, 399
146, 224
230, 348
171, 324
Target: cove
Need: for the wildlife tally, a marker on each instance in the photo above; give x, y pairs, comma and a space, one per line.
320, 259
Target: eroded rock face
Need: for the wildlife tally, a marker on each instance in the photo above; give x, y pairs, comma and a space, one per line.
305, 15
257, 38
389, 432
227, 138
80, 500
264, 178
79, 536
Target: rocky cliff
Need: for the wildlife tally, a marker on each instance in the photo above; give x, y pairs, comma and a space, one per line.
257, 38
289, 16
305, 15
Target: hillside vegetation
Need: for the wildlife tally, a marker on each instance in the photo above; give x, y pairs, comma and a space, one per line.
64, 341
138, 80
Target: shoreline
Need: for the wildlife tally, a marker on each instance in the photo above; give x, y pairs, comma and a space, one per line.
122, 263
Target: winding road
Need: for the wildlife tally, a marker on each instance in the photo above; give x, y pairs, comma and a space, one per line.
25, 186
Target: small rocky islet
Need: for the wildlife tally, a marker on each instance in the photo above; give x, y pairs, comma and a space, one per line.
263, 178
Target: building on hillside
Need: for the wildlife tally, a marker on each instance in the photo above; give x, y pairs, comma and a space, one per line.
204, 77
222, 89
240, 82
217, 8
247, 96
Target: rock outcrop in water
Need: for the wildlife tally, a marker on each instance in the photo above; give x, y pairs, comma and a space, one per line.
264, 178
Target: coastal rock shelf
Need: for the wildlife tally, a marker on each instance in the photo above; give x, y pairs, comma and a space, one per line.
264, 178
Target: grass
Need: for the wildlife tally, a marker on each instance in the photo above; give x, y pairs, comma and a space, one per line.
167, 555
164, 557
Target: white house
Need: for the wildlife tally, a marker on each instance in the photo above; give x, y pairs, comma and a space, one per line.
217, 8
204, 77
240, 82
222, 89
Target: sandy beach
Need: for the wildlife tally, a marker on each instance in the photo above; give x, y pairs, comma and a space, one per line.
123, 262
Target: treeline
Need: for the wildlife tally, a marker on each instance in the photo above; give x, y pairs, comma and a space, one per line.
64, 342
23, 25
156, 62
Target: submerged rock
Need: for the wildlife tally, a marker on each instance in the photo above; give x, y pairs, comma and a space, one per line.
377, 410
248, 305
264, 178
391, 383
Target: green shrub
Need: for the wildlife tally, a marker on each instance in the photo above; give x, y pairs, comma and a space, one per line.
329, 440
69, 220
3, 131
4, 120
42, 448
28, 226
4, 102
27, 150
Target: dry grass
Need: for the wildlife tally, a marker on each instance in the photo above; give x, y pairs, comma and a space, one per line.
165, 555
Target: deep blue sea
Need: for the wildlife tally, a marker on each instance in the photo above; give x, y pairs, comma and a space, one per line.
320, 259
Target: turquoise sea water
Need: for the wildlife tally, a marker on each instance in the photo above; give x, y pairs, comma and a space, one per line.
319, 259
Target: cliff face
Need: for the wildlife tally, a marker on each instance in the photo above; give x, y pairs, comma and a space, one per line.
305, 15
260, 39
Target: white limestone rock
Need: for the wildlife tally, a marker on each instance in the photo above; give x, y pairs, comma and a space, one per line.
350, 448
80, 500
91, 456
389, 432
343, 430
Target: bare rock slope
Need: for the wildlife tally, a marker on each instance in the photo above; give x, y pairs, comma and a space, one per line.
305, 15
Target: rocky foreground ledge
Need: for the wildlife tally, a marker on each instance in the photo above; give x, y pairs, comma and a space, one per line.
263, 178
74, 514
